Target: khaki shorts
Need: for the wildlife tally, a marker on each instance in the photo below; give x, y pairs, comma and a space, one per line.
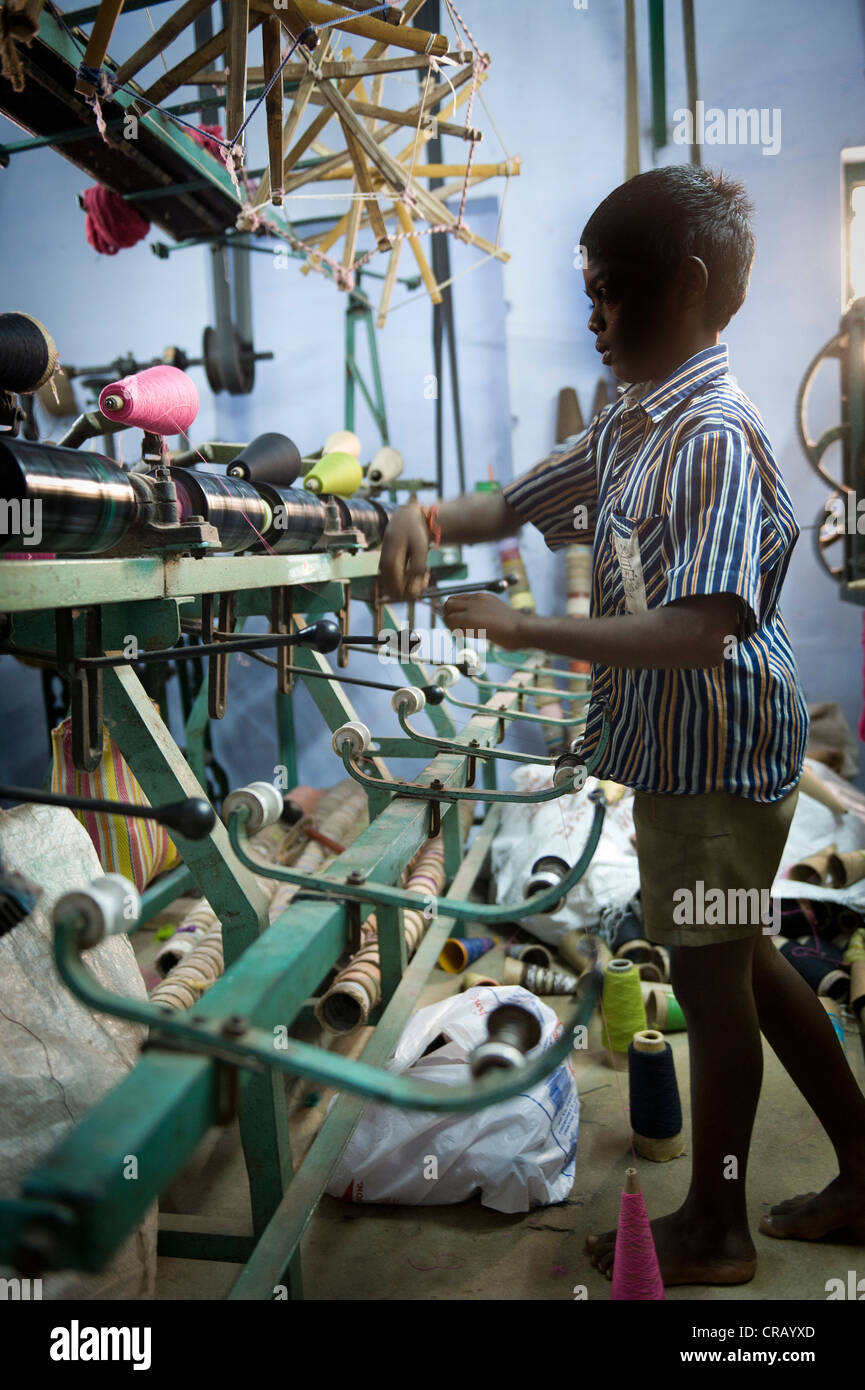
707, 864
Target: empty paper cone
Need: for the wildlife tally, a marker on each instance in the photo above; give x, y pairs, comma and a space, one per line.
581, 950
645, 956
845, 869
531, 954
663, 1012
812, 786
456, 954
470, 980
813, 869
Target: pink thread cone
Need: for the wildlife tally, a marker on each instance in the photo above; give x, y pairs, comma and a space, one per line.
636, 1272
161, 399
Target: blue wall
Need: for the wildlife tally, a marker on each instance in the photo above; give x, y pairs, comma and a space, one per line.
556, 94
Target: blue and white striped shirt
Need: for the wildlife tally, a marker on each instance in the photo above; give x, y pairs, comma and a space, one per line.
680, 487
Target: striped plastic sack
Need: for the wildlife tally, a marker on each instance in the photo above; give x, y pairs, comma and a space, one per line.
139, 849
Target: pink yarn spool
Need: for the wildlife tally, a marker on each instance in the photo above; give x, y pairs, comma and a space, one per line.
636, 1272
163, 400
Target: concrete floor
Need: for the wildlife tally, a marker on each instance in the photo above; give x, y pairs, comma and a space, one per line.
470, 1252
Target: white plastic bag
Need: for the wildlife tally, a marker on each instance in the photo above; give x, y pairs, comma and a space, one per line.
57, 1057
518, 1154
529, 830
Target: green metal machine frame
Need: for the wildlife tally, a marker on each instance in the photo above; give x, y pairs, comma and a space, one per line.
219, 1060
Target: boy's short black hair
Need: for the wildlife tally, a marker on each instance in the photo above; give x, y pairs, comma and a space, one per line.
647, 226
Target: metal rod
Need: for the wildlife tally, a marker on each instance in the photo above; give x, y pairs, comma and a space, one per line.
516, 714
254, 1047
238, 644
445, 745
489, 586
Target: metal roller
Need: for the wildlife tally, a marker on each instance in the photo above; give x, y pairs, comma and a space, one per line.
298, 520
61, 500
354, 736
108, 906
361, 514
446, 675
409, 698
547, 872
264, 802
570, 768
468, 658
237, 510
513, 1033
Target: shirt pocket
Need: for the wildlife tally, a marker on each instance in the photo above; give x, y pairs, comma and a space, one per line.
636, 540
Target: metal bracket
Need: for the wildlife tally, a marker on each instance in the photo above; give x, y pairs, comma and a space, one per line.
281, 614
226, 1068
352, 911
85, 685
343, 617
217, 673
435, 810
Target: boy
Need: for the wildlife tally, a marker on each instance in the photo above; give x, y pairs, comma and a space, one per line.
693, 531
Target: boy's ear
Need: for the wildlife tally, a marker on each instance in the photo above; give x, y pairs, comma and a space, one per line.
694, 280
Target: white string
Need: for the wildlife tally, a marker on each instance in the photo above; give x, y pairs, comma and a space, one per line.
479, 94
422, 294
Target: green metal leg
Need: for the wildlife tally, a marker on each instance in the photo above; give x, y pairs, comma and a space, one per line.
285, 735
452, 838
196, 728
391, 949
266, 1267
233, 892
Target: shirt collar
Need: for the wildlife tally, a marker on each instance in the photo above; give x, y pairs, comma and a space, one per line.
658, 400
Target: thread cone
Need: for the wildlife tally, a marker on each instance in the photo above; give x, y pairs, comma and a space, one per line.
636, 1272
269, 458
335, 474
538, 980
457, 954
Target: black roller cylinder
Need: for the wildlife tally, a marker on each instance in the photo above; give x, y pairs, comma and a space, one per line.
359, 514
234, 507
298, 520
62, 501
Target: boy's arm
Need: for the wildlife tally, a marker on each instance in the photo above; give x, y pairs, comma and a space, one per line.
688, 634
477, 516
546, 496
711, 576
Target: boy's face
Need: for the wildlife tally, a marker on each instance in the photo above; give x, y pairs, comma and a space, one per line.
631, 322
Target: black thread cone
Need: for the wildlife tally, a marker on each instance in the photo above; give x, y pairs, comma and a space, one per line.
270, 458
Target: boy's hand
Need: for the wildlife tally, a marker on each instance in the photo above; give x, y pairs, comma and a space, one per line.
485, 614
404, 551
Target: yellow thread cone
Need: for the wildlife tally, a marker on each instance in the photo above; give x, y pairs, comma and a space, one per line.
337, 474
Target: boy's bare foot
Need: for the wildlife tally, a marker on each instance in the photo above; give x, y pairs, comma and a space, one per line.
840, 1207
687, 1252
